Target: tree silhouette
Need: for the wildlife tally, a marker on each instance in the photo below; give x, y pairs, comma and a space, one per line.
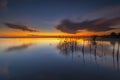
119, 35
113, 34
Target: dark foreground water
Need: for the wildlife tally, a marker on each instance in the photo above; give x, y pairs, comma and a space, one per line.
59, 59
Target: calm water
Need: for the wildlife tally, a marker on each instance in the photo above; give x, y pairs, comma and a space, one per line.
59, 59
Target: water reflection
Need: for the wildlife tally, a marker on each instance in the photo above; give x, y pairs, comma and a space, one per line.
100, 48
60, 59
4, 72
68, 46
20, 47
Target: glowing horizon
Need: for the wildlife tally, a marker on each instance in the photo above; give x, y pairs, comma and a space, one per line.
47, 34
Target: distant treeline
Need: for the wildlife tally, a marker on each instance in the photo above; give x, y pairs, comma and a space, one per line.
112, 35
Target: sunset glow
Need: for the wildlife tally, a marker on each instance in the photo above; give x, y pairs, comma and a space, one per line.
38, 34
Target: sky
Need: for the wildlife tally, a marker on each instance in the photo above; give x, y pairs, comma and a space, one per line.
58, 16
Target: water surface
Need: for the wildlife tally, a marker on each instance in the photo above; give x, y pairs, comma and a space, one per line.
59, 59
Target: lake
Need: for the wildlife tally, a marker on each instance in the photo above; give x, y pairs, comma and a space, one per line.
59, 59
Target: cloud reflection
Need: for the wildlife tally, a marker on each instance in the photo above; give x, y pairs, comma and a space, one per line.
20, 47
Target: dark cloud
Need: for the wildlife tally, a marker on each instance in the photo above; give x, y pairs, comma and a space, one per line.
97, 25
20, 27
3, 4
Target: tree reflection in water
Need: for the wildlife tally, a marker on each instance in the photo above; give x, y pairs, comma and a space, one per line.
98, 49
68, 46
